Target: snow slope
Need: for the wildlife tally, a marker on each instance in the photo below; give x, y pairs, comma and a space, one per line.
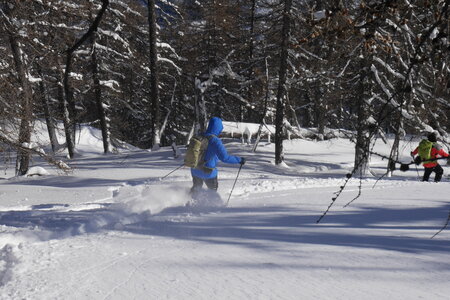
113, 230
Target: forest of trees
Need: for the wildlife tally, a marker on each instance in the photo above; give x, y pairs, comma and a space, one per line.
146, 72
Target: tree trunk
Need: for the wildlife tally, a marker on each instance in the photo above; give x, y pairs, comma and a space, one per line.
393, 156
154, 91
264, 114
404, 100
281, 93
51, 127
68, 96
250, 73
200, 107
320, 111
67, 108
165, 122
23, 156
293, 112
104, 126
362, 147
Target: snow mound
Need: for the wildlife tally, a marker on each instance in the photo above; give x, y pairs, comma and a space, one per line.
37, 171
88, 139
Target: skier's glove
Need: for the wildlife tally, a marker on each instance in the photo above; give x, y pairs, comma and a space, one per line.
417, 160
243, 160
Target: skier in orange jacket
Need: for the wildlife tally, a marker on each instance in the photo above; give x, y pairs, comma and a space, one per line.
429, 164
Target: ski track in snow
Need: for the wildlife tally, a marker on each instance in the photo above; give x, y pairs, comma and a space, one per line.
7, 262
129, 204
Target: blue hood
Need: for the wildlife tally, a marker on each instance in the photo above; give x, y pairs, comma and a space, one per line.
215, 126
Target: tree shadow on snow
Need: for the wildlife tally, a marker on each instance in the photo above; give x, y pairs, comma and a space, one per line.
56, 221
380, 228
138, 160
404, 230
68, 182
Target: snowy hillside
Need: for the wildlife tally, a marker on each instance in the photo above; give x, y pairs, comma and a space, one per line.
113, 230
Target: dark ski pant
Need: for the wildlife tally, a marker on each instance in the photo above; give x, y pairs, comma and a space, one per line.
211, 183
437, 169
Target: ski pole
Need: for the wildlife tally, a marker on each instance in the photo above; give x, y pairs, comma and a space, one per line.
177, 168
239, 171
405, 167
417, 170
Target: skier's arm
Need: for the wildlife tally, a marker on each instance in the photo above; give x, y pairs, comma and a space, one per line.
439, 151
415, 151
443, 153
222, 154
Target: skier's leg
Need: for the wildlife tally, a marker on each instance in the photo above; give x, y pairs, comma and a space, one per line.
197, 184
212, 184
427, 173
213, 197
439, 171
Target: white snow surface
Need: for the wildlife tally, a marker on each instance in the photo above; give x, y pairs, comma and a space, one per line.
112, 229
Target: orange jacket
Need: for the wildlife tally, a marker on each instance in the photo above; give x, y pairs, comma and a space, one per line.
435, 152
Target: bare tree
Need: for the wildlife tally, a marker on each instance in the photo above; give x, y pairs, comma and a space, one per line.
26, 115
68, 104
101, 105
26, 96
154, 90
282, 74
49, 120
363, 129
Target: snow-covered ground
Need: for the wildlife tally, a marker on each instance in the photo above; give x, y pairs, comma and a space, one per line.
113, 230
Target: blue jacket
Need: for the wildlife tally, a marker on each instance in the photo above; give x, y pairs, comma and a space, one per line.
215, 151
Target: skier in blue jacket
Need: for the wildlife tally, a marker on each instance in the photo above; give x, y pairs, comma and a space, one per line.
214, 152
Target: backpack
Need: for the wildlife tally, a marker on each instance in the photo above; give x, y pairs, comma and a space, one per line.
425, 149
195, 153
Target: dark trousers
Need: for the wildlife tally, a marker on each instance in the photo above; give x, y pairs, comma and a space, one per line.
438, 170
211, 183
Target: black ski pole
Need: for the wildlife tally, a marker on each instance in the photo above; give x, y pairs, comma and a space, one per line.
405, 166
417, 170
177, 168
239, 171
